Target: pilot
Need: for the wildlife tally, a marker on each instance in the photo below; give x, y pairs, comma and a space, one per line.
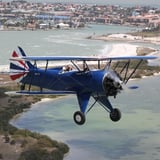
67, 68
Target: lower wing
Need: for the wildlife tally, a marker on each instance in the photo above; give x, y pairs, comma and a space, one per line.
40, 92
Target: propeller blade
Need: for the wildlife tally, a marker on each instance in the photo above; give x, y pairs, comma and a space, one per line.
133, 87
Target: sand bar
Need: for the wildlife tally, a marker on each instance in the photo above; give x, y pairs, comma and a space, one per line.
127, 38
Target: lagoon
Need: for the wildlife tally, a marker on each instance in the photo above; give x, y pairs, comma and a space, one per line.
135, 136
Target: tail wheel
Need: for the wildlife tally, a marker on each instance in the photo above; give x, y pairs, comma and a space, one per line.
79, 118
22, 87
115, 115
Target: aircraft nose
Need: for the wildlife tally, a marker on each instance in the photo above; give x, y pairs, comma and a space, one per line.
112, 84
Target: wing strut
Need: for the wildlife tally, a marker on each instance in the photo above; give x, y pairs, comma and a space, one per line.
75, 65
125, 66
108, 65
125, 69
99, 64
46, 66
133, 71
32, 75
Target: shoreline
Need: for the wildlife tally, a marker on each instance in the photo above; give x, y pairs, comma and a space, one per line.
15, 143
120, 49
126, 38
124, 49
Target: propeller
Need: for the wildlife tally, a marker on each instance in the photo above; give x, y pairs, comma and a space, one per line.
112, 84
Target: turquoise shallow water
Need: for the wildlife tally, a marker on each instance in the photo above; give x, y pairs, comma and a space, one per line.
153, 3
135, 136
57, 42
60, 42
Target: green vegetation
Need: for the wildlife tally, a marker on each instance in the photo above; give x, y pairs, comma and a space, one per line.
143, 70
1, 156
35, 153
43, 149
143, 51
149, 33
33, 145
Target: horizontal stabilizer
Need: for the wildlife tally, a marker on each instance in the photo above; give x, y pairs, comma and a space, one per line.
40, 92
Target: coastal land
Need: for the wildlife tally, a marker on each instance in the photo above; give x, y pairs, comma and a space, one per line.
130, 37
22, 15
20, 144
127, 48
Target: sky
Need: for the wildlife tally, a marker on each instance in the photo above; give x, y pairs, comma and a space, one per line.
128, 3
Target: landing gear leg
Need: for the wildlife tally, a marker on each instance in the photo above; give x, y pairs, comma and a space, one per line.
115, 114
79, 118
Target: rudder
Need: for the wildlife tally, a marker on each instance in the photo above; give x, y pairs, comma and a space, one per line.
19, 68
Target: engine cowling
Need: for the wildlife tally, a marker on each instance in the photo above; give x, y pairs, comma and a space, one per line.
112, 84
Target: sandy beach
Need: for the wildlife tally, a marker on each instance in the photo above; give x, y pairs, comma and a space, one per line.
122, 49
5, 80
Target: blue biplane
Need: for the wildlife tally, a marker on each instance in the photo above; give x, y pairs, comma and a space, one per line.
79, 77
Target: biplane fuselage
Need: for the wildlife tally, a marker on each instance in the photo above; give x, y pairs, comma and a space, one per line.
57, 79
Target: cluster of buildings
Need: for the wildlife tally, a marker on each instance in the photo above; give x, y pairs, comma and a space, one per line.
20, 15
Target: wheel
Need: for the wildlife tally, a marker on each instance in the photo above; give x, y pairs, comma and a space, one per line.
79, 118
115, 115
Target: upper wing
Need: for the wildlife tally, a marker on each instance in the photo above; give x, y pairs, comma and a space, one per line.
78, 58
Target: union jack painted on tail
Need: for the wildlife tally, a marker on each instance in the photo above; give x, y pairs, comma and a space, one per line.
19, 68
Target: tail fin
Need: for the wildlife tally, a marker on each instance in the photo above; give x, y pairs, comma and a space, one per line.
19, 68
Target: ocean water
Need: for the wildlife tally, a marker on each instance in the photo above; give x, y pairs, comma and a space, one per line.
125, 3
60, 42
135, 136
128, 3
57, 42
